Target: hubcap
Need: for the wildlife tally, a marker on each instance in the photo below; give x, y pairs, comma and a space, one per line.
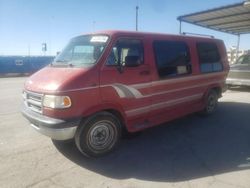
101, 135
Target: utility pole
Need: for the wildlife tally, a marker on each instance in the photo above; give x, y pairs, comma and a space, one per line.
238, 47
136, 18
44, 48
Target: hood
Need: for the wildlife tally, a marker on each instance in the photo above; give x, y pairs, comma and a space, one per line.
52, 79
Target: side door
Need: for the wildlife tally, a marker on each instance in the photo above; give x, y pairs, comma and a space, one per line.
121, 78
174, 91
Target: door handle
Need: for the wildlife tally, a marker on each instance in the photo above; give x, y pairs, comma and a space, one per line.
145, 72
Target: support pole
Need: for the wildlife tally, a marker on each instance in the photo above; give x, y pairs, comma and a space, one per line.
238, 47
136, 18
180, 29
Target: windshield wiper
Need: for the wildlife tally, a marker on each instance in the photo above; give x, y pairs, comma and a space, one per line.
64, 63
61, 61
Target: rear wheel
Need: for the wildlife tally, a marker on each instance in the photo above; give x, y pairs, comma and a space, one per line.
229, 86
98, 135
211, 103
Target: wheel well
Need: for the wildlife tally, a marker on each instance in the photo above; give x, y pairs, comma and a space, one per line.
118, 115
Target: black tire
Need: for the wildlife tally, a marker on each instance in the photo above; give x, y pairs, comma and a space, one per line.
130, 135
229, 86
98, 134
211, 103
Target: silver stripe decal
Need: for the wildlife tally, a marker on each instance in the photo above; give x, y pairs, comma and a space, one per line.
131, 91
137, 111
127, 93
175, 80
160, 105
154, 83
118, 90
181, 89
176, 101
79, 89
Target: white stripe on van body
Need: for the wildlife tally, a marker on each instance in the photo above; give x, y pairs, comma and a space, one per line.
129, 92
182, 89
157, 106
175, 80
148, 84
125, 91
134, 88
132, 91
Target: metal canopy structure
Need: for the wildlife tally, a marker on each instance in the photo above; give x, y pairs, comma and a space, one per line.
233, 19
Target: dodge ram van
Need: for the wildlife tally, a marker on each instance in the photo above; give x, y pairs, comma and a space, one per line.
107, 82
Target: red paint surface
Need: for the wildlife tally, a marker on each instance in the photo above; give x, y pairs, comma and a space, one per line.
90, 89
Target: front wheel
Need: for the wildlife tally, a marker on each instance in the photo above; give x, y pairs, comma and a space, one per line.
98, 135
210, 103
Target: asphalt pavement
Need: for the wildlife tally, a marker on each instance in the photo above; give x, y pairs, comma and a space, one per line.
193, 151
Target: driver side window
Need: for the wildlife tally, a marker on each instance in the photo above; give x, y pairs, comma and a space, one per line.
126, 52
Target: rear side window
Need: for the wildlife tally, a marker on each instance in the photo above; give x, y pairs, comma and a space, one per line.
172, 58
209, 57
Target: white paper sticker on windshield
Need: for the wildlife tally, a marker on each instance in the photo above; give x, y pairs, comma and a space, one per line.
99, 39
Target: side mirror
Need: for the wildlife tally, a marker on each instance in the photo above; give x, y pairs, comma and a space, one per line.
132, 61
120, 68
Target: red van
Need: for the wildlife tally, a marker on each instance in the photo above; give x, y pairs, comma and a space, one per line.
104, 83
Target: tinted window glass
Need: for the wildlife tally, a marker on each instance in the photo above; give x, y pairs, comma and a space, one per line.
126, 52
244, 59
172, 58
209, 57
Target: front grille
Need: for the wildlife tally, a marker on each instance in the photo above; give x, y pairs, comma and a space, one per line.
33, 101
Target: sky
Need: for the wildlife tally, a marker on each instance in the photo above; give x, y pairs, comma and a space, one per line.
26, 24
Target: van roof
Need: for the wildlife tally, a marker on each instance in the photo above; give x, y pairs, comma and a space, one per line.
149, 34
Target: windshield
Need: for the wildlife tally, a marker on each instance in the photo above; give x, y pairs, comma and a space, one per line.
245, 59
82, 51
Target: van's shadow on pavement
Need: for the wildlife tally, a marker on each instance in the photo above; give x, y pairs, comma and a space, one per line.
191, 147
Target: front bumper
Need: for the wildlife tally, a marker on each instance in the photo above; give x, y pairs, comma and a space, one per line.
56, 129
238, 82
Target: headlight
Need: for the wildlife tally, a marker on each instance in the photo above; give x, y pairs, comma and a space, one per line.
53, 101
